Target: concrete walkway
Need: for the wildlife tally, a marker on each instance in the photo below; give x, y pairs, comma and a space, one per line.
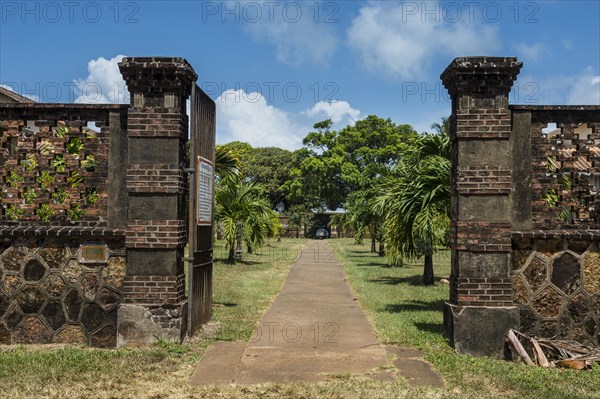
314, 327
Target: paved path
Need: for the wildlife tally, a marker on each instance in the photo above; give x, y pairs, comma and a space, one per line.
314, 327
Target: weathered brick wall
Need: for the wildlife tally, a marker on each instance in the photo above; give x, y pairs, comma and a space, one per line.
54, 169
50, 160
555, 220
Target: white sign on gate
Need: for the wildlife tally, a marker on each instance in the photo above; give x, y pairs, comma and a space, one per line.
205, 175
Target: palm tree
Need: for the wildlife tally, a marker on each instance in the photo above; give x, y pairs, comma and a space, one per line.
228, 163
416, 202
242, 205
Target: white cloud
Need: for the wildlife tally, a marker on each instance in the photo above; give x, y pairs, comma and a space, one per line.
585, 89
389, 41
334, 110
298, 35
104, 83
582, 88
531, 52
247, 117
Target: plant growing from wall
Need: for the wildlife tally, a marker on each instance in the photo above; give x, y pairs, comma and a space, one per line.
30, 163
75, 179
89, 133
30, 195
551, 197
90, 163
58, 163
61, 131
45, 180
59, 196
44, 212
75, 146
91, 196
567, 215
74, 212
13, 212
46, 148
14, 179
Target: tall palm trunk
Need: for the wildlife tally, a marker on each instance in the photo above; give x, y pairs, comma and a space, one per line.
373, 238
428, 277
381, 248
238, 242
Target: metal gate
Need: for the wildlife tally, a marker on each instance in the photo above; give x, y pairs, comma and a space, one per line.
201, 198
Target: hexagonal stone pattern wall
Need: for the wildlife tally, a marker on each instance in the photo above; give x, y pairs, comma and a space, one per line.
556, 285
48, 295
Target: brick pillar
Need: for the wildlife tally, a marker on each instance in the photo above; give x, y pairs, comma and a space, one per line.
480, 310
154, 302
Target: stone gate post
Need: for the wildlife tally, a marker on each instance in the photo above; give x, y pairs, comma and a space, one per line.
154, 302
480, 310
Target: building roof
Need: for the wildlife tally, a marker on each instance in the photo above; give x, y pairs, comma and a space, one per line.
9, 96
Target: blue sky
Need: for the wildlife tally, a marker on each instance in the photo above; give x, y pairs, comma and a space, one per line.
277, 67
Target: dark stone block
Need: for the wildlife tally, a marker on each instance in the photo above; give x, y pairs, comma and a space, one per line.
566, 273
146, 262
529, 320
483, 264
117, 163
579, 307
73, 304
31, 299
591, 327
479, 331
5, 302
34, 270
105, 338
143, 207
13, 317
154, 150
521, 197
54, 314
548, 328
93, 317
478, 152
483, 207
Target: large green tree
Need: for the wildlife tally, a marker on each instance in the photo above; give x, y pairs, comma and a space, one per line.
333, 164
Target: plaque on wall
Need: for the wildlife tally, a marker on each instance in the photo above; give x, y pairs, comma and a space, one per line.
93, 253
205, 190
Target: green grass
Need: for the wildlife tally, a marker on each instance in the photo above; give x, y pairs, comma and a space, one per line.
403, 312
406, 313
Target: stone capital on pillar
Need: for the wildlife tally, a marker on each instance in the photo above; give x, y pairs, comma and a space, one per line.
481, 75
150, 79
